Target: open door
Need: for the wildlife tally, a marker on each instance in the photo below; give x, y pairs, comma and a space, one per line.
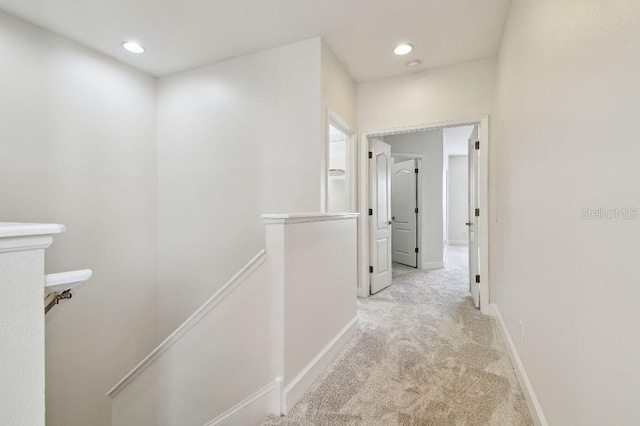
404, 210
379, 215
474, 254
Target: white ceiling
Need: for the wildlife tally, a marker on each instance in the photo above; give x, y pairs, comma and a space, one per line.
186, 34
457, 139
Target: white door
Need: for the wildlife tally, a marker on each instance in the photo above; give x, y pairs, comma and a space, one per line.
474, 258
379, 215
404, 213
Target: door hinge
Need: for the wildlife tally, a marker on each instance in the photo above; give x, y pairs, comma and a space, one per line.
416, 170
478, 279
417, 250
416, 210
371, 269
370, 154
477, 212
370, 212
477, 144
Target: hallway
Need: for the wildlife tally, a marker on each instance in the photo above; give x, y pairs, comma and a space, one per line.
424, 356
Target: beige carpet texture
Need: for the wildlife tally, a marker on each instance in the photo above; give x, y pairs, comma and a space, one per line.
424, 356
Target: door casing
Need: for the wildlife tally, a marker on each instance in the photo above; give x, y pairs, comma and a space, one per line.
483, 200
472, 220
337, 121
380, 224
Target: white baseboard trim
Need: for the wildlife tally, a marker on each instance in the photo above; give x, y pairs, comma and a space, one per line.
254, 409
527, 389
432, 265
294, 390
458, 242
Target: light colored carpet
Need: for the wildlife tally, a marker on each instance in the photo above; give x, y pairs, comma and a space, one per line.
424, 356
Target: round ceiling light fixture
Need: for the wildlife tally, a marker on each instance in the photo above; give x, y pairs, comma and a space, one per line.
133, 47
403, 49
415, 64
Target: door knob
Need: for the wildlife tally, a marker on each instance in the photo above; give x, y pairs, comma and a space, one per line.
390, 222
468, 223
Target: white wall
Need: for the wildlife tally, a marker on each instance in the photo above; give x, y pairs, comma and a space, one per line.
458, 198
455, 92
78, 142
228, 352
320, 288
262, 340
430, 145
236, 139
315, 259
338, 96
338, 89
568, 139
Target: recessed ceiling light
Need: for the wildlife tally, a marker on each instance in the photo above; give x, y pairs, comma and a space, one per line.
403, 49
415, 63
132, 47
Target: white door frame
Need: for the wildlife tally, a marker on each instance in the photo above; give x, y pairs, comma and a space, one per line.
381, 230
352, 174
419, 162
364, 288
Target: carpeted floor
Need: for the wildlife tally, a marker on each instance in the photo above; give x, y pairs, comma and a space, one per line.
424, 356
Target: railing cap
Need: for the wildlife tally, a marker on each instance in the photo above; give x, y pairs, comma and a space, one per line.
287, 218
16, 229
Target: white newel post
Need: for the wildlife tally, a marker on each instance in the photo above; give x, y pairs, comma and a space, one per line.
22, 376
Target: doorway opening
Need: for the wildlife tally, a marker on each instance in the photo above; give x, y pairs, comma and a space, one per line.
416, 226
340, 174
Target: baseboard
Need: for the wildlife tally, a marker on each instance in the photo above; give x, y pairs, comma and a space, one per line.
294, 390
527, 389
254, 409
458, 242
432, 265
